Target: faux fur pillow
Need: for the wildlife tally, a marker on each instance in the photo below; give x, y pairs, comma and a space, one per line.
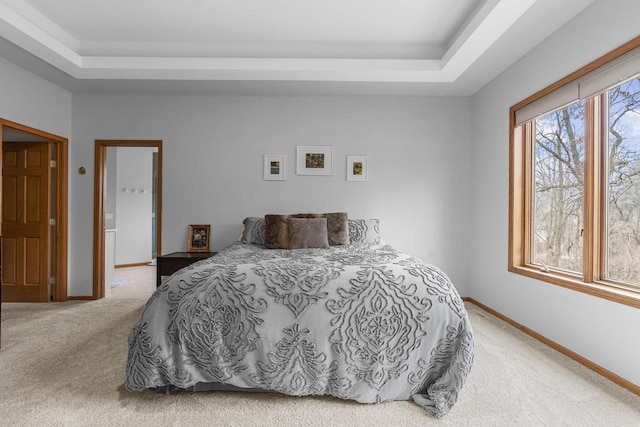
276, 234
276, 231
337, 228
307, 233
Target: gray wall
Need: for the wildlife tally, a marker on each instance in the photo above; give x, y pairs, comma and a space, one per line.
32, 101
418, 152
604, 332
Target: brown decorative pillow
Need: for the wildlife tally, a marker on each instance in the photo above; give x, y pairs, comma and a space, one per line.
276, 233
307, 233
338, 228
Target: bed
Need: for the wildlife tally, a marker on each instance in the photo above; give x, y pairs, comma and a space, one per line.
358, 320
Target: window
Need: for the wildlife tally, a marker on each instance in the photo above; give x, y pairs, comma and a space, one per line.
558, 194
623, 186
574, 202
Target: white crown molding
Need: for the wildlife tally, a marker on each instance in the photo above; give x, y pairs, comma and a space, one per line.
35, 33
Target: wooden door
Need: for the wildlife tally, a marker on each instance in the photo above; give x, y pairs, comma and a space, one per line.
26, 204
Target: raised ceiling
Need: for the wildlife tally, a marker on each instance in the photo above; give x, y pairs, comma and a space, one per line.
400, 46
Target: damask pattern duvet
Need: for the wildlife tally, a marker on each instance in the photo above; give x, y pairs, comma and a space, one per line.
362, 322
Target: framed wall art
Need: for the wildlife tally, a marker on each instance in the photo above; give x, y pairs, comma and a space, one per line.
274, 167
314, 160
198, 238
357, 168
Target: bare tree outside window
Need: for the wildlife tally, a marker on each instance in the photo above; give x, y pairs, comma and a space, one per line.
574, 180
623, 215
559, 189
558, 209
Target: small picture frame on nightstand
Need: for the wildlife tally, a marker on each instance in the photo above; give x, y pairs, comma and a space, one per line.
198, 238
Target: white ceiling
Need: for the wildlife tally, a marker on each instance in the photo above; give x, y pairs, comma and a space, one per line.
439, 47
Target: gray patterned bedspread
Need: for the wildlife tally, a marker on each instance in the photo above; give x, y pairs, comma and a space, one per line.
361, 322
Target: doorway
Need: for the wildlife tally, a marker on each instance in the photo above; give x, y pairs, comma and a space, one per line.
103, 215
34, 214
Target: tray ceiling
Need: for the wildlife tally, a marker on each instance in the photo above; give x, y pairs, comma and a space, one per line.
403, 43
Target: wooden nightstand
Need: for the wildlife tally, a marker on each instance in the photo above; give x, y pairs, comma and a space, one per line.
170, 263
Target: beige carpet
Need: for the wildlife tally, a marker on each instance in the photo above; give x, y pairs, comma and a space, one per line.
63, 364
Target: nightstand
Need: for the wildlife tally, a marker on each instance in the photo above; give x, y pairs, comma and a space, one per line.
170, 263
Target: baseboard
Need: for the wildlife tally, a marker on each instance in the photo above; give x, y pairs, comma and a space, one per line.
135, 264
81, 298
633, 388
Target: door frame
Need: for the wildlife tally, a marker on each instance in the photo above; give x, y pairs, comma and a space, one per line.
99, 202
59, 236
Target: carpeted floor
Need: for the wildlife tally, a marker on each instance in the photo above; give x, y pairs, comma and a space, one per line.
63, 364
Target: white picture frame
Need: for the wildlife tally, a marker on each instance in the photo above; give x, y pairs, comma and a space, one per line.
314, 160
275, 167
357, 168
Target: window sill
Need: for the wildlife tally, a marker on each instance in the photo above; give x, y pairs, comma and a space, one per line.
600, 290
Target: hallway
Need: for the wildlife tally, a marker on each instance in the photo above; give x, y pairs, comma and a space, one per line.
133, 282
